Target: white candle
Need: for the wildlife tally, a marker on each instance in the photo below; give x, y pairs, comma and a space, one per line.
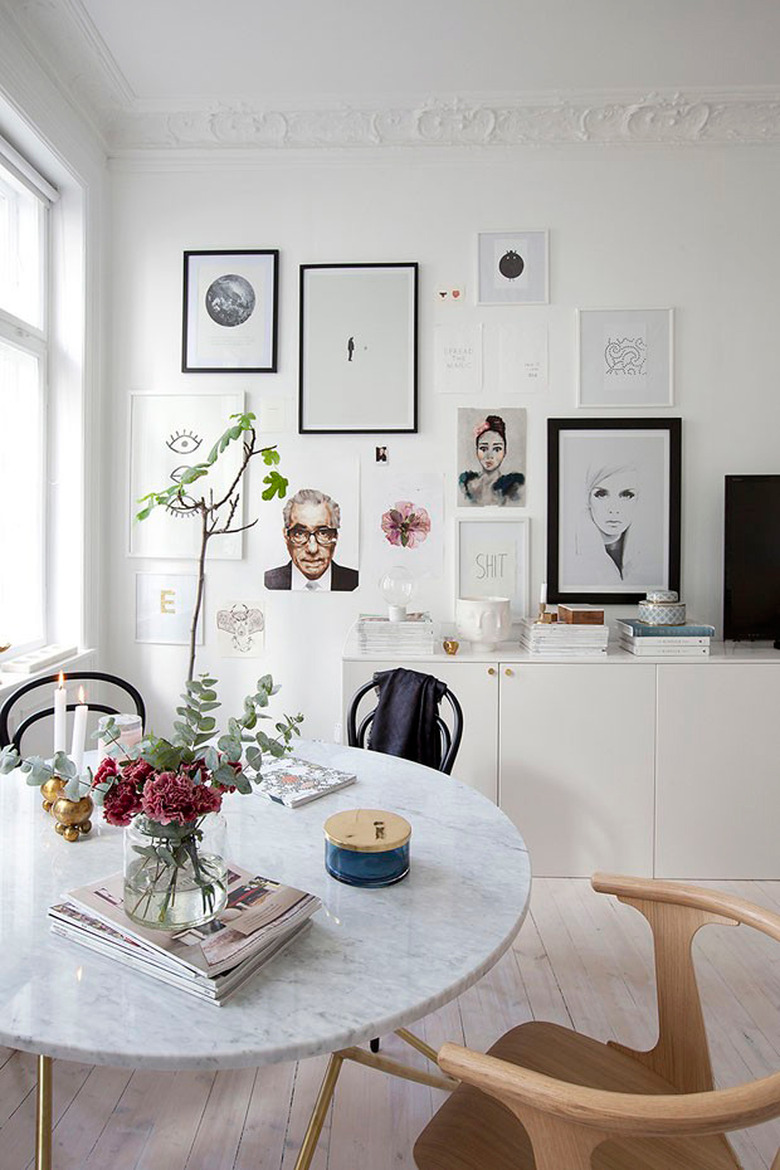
60, 715
543, 594
79, 731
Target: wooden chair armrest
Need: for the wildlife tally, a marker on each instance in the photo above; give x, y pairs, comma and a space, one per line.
694, 897
675, 1114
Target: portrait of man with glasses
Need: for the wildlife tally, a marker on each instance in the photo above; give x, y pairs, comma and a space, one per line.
311, 522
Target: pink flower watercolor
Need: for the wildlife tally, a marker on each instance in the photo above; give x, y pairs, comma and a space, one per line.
406, 524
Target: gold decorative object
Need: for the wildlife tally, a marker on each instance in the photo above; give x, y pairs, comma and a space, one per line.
51, 792
4, 647
73, 817
450, 646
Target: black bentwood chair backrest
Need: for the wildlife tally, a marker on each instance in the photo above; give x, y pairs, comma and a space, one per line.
358, 733
6, 711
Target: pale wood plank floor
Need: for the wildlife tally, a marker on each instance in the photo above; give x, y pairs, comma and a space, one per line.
581, 959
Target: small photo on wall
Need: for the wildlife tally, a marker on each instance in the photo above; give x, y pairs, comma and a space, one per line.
512, 268
318, 533
491, 457
625, 357
164, 604
240, 629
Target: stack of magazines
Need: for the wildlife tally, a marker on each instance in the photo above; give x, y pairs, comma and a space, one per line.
211, 961
686, 641
411, 637
562, 640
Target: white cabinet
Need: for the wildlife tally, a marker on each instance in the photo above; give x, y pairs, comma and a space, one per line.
576, 765
665, 768
718, 798
476, 686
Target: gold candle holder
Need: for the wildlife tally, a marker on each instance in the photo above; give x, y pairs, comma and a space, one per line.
51, 792
73, 817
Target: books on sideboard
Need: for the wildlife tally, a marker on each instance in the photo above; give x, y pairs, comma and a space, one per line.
211, 961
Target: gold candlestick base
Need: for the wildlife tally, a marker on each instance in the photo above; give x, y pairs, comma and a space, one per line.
73, 817
51, 792
544, 617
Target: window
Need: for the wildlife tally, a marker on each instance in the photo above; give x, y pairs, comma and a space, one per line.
23, 439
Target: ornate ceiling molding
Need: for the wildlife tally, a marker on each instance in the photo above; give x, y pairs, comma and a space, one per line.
654, 119
67, 44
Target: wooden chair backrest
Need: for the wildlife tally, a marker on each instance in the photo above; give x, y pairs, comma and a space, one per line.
564, 1121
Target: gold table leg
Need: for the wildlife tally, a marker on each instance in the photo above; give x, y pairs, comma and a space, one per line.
317, 1120
43, 1115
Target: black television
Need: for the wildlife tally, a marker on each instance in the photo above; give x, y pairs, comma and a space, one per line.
751, 558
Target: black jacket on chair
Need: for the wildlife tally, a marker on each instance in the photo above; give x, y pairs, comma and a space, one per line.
405, 718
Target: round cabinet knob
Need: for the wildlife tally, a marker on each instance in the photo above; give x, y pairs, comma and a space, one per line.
491, 670
509, 673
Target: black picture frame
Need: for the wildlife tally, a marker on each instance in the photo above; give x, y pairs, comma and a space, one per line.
649, 543
225, 291
358, 349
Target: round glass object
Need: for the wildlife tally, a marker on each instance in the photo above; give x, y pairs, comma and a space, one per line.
175, 875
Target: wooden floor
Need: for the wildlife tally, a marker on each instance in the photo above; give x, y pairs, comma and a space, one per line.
581, 959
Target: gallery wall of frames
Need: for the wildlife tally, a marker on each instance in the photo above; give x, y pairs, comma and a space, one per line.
524, 365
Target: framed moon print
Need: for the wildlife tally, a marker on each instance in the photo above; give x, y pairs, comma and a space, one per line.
625, 357
230, 312
613, 508
512, 268
358, 349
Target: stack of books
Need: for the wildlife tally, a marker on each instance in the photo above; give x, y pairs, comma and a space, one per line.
291, 782
562, 640
212, 961
690, 640
406, 639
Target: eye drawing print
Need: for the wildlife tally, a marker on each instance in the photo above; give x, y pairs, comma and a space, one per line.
181, 442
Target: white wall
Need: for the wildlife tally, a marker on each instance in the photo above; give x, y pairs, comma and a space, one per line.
690, 228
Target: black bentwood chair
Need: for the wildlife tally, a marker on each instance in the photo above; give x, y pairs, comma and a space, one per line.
7, 709
358, 734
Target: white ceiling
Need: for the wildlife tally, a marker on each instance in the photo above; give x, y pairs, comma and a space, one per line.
306, 50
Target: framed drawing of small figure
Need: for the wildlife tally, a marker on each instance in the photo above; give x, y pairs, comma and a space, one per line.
613, 510
491, 457
230, 312
492, 559
358, 349
625, 357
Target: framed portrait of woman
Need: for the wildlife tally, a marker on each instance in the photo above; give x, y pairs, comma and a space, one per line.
491, 457
613, 510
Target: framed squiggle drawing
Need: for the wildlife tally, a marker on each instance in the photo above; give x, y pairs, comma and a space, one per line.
625, 357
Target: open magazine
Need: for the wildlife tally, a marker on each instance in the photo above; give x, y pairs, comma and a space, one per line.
261, 917
291, 782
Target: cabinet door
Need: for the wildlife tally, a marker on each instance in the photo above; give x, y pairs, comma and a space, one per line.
718, 795
476, 686
576, 764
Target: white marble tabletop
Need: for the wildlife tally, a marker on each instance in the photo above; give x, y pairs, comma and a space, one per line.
374, 960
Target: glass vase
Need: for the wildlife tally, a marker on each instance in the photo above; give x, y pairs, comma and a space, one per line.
175, 875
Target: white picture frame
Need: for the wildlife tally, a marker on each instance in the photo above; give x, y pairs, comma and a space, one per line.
513, 268
164, 604
492, 559
625, 358
168, 431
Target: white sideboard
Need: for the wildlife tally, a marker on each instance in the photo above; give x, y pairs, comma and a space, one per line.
660, 767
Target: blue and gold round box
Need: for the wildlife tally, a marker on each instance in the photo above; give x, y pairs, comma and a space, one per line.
367, 847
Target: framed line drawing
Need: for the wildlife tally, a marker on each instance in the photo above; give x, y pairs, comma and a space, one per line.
625, 357
358, 349
230, 312
513, 268
169, 433
613, 508
492, 559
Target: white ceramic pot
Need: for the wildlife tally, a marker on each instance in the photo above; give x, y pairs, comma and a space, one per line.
483, 621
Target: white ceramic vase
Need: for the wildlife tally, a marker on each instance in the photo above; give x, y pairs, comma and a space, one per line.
483, 621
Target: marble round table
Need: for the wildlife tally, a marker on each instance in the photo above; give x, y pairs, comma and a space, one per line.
373, 961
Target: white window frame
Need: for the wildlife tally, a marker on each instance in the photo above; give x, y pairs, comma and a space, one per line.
28, 338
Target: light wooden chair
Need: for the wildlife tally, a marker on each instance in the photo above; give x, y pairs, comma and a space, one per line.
548, 1098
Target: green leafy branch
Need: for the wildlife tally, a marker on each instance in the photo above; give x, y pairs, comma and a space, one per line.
218, 516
